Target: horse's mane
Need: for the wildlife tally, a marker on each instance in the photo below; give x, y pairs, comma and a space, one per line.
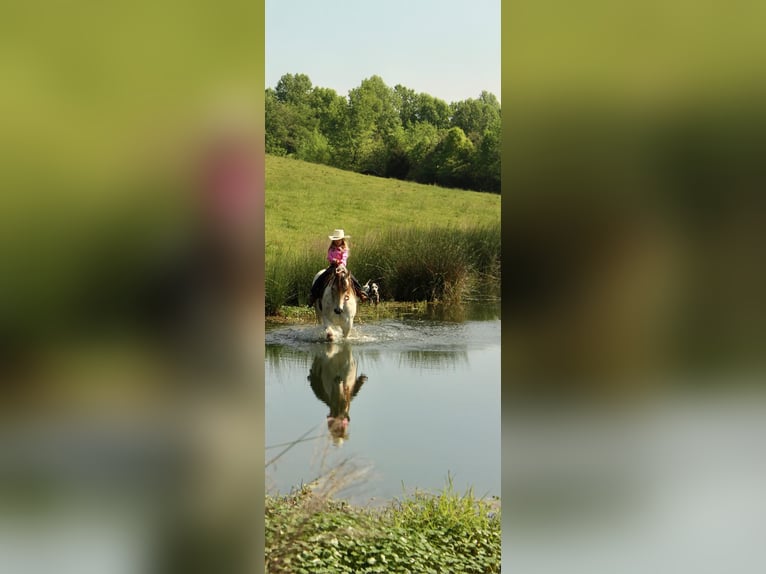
339, 277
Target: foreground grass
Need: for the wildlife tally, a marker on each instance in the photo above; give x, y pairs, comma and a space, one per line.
423, 532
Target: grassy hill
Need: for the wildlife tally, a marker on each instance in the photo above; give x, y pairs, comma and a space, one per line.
420, 242
306, 201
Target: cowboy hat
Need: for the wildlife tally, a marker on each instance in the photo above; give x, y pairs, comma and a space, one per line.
338, 234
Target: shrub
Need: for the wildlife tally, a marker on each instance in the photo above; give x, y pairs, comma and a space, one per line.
445, 532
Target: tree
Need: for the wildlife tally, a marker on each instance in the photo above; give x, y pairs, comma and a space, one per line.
293, 89
331, 113
433, 110
289, 119
489, 99
330, 110
392, 132
474, 117
314, 147
452, 159
286, 125
275, 125
405, 101
486, 168
374, 125
415, 108
420, 142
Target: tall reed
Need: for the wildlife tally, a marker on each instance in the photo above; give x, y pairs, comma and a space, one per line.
289, 273
449, 264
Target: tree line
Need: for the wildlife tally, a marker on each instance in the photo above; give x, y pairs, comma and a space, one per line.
388, 132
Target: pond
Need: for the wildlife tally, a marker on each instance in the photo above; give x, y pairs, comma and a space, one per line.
424, 406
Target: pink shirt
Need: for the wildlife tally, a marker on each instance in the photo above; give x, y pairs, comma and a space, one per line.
337, 255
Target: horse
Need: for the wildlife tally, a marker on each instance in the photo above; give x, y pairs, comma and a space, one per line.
333, 378
336, 308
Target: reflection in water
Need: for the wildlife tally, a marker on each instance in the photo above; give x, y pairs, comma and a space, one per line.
280, 357
427, 359
334, 381
425, 371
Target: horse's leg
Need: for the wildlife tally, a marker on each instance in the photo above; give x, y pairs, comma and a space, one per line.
349, 313
329, 319
325, 306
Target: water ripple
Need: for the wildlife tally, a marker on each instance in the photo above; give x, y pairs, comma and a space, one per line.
397, 334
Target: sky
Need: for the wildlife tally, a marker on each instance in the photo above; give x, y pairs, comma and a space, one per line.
449, 49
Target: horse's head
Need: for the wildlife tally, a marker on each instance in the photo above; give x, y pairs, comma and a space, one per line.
342, 289
338, 427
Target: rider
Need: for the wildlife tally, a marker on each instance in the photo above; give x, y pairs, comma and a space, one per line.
337, 255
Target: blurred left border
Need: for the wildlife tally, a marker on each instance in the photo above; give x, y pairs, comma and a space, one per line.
131, 287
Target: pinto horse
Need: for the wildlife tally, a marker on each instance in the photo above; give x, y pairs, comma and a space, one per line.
335, 382
336, 308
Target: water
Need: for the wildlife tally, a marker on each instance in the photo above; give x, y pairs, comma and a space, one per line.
428, 410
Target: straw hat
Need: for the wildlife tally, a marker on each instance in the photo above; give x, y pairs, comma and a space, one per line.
338, 234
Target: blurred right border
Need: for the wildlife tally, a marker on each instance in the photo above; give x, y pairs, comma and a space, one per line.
633, 317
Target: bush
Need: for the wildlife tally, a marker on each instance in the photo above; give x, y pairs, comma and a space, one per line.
445, 532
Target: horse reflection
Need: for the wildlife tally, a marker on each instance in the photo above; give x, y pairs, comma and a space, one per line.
333, 378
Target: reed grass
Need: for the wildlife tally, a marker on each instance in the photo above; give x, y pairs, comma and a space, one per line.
447, 264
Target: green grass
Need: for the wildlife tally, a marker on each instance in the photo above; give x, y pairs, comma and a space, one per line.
419, 242
422, 532
305, 202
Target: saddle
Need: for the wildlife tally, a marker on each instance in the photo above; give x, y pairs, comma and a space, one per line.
326, 278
